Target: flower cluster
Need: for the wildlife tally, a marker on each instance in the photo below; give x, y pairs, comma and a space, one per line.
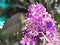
39, 24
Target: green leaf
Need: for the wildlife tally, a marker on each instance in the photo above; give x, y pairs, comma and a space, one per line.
32, 1
13, 24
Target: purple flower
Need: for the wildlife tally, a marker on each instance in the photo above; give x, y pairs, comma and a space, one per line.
25, 32
28, 40
49, 24
36, 9
39, 23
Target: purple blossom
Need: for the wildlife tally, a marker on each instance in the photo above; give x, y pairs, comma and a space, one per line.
32, 9
25, 32
39, 23
28, 40
49, 24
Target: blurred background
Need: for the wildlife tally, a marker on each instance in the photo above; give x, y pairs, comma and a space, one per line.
13, 15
